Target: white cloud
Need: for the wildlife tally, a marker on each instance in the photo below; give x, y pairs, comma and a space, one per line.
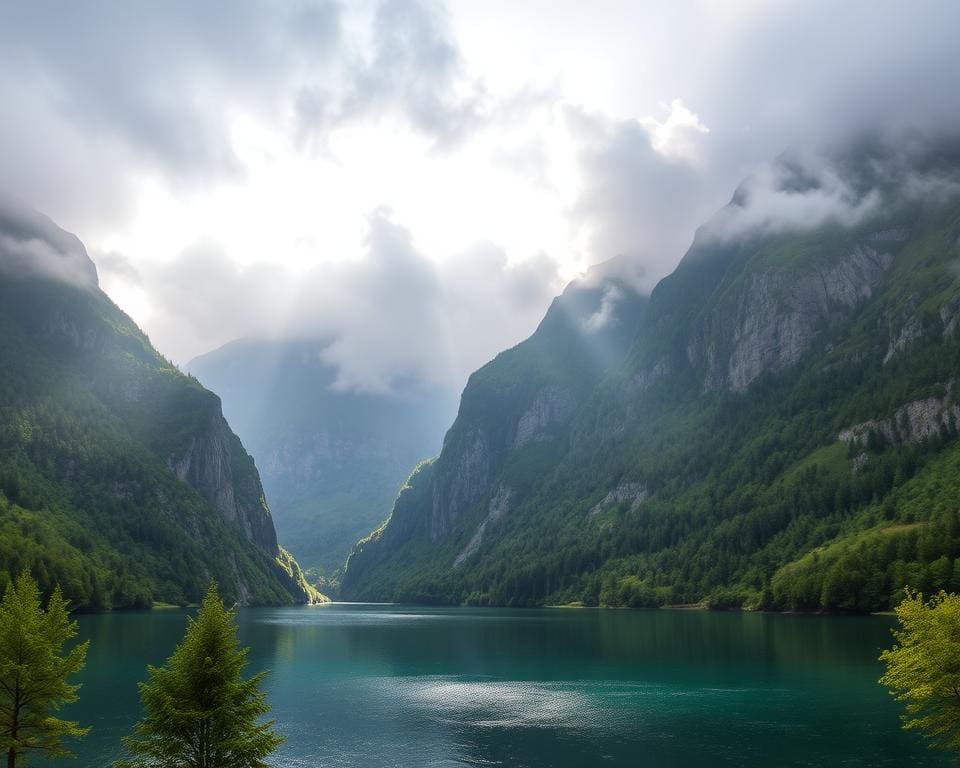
801, 194
232, 151
392, 316
31, 245
677, 135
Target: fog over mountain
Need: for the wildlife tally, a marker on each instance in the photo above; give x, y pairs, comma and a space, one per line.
313, 168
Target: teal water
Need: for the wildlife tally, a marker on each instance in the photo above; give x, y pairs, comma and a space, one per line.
377, 686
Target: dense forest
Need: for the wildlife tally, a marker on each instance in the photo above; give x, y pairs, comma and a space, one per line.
780, 433
119, 479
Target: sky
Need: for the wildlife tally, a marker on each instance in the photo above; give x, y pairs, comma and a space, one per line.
413, 181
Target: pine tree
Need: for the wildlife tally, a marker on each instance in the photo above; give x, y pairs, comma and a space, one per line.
34, 671
198, 710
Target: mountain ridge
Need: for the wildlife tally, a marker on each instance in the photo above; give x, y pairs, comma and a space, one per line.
120, 478
708, 461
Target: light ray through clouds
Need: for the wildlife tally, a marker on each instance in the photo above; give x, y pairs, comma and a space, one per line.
229, 165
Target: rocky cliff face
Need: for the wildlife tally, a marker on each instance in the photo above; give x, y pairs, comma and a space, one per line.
128, 454
704, 453
210, 464
520, 404
766, 312
331, 461
913, 422
780, 313
552, 405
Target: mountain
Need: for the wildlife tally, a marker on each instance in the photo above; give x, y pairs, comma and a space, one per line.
331, 460
120, 480
780, 431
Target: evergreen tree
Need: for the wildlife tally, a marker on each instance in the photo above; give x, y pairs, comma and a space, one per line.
34, 671
199, 712
923, 667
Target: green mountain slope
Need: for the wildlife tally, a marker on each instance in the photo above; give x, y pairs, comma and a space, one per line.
332, 461
786, 409
119, 478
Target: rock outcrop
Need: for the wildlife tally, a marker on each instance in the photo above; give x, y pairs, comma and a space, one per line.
143, 465
713, 433
633, 493
552, 405
498, 507
912, 422
229, 481
770, 322
464, 486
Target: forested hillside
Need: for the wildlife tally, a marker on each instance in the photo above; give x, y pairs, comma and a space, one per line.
781, 432
332, 461
119, 478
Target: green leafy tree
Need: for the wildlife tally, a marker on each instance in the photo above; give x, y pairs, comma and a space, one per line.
199, 712
34, 671
923, 667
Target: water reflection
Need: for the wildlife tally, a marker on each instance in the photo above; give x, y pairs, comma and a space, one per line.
394, 686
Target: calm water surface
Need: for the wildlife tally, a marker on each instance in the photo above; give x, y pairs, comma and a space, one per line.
374, 686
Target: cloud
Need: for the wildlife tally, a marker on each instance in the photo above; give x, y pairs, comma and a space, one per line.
844, 186
97, 95
31, 244
740, 91
675, 137
650, 118
635, 199
392, 317
411, 67
801, 192
606, 313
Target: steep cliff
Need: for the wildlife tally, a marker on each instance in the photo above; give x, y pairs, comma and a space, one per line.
331, 460
515, 420
788, 386
119, 478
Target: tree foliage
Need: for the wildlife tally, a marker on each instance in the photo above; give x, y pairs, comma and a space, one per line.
92, 419
35, 671
750, 499
923, 667
199, 712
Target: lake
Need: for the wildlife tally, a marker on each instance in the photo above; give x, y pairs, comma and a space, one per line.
374, 685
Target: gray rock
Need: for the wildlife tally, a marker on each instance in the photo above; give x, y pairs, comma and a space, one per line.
906, 334
552, 405
859, 462
782, 312
499, 506
645, 379
913, 422
950, 316
466, 485
635, 493
896, 235
207, 465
